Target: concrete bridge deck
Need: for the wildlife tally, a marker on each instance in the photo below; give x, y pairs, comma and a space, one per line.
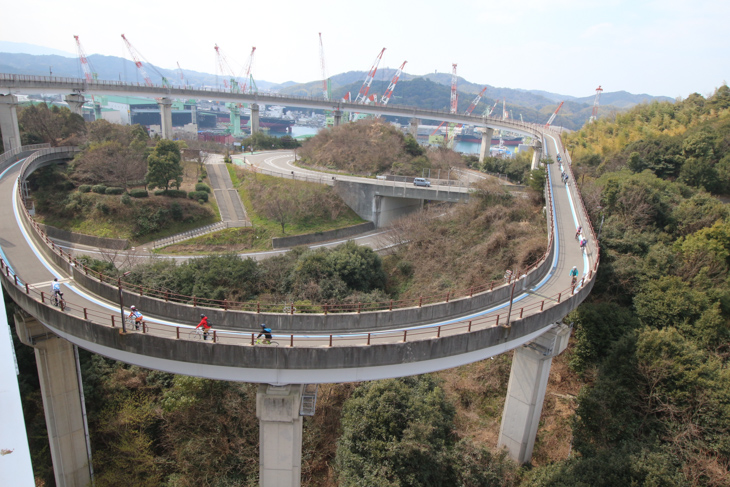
312, 347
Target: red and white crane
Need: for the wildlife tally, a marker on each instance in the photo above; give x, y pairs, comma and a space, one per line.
231, 83
389, 91
454, 93
325, 90
135, 56
85, 66
594, 115
363, 94
182, 76
468, 111
552, 117
248, 76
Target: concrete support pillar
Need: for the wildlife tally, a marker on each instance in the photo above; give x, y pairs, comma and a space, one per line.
536, 156
97, 111
414, 127
235, 119
338, 117
254, 118
9, 122
76, 103
526, 392
60, 378
194, 114
486, 144
280, 435
165, 117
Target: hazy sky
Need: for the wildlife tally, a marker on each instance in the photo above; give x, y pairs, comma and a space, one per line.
667, 47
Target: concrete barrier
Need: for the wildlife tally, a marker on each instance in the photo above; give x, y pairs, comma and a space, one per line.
80, 238
310, 238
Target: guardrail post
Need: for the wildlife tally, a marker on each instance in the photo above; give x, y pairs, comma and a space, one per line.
438, 332
177, 332
167, 296
86, 317
325, 309
330, 340
291, 309
359, 307
144, 327
225, 305
491, 286
447, 296
252, 342
469, 328
420, 302
391, 305
471, 292
258, 307
215, 336
15, 278
195, 302
559, 294
101, 277
405, 335
43, 297
291, 340
542, 305
113, 321
497, 322
521, 310
141, 290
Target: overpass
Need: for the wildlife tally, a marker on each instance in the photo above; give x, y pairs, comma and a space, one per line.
335, 344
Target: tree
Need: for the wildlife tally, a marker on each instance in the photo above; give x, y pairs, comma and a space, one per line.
55, 125
164, 165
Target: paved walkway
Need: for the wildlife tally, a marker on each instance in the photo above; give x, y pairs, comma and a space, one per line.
233, 214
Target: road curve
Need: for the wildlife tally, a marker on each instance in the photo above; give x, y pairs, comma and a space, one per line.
312, 348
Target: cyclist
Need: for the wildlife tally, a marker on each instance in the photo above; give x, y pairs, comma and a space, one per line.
577, 231
266, 332
583, 243
56, 289
137, 316
205, 325
573, 275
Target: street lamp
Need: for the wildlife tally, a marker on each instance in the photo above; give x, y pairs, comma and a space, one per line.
121, 301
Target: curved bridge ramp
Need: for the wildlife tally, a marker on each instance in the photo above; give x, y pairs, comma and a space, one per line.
335, 346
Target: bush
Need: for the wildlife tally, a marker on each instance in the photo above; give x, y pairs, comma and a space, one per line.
202, 187
99, 188
84, 188
126, 199
198, 195
103, 208
172, 193
114, 190
138, 193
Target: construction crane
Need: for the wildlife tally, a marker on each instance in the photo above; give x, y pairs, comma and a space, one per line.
247, 75
488, 112
594, 115
363, 94
325, 81
468, 111
552, 117
135, 56
389, 91
229, 78
454, 93
182, 76
89, 73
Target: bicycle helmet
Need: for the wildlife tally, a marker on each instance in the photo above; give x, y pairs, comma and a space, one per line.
55, 279
575, 267
202, 316
133, 307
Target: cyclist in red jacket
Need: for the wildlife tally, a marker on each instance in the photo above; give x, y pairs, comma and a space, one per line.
205, 325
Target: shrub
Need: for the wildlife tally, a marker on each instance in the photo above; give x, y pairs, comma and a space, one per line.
176, 211
202, 187
126, 199
198, 195
99, 188
138, 193
113, 190
84, 188
102, 207
172, 193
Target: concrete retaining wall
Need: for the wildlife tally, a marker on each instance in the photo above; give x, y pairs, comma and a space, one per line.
310, 238
80, 238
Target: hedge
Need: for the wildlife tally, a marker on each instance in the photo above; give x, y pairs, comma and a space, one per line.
84, 188
202, 187
99, 188
198, 195
113, 190
138, 193
172, 193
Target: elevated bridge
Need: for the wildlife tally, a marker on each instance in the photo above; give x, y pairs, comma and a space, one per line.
523, 312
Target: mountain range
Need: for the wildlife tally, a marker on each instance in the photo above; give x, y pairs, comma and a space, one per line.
424, 91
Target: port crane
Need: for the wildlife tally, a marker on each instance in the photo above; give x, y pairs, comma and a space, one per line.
136, 55
552, 117
362, 96
89, 74
389, 91
326, 94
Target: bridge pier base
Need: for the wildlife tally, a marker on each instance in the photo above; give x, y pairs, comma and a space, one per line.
60, 378
235, 119
526, 391
337, 114
254, 118
76, 103
413, 129
165, 117
9, 122
486, 143
280, 435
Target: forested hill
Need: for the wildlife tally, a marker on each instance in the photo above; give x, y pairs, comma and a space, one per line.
652, 342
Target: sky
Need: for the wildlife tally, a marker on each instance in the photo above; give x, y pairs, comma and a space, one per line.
669, 47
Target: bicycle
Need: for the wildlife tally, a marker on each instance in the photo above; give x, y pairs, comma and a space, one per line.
266, 341
58, 301
197, 334
129, 321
